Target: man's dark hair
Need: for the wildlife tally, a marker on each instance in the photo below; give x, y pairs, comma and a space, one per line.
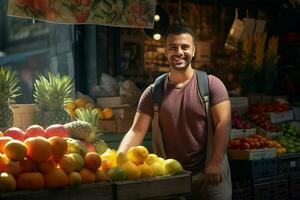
178, 29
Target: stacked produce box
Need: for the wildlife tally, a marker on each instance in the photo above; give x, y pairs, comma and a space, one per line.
267, 160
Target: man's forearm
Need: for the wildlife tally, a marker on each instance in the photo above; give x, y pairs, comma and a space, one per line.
130, 139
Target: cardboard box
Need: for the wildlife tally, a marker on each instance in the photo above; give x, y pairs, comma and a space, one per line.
252, 154
278, 117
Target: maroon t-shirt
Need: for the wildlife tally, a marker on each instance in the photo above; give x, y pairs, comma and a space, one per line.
183, 120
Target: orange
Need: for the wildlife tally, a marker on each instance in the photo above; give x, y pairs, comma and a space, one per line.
30, 181
137, 154
92, 161
28, 165
56, 178
15, 150
47, 166
146, 170
132, 171
75, 179
87, 176
11, 167
107, 113
101, 176
70, 105
3, 141
80, 102
67, 164
38, 149
105, 166
7, 182
1, 134
59, 147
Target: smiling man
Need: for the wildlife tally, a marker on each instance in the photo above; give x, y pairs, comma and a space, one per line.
182, 120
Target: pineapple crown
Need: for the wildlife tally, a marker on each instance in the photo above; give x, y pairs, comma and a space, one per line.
9, 88
89, 116
52, 92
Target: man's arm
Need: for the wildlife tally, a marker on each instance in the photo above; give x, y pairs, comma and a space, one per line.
221, 114
136, 133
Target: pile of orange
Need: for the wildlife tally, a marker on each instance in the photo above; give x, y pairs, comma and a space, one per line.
38, 163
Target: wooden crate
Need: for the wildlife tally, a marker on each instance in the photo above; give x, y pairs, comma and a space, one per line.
154, 188
94, 191
107, 126
104, 102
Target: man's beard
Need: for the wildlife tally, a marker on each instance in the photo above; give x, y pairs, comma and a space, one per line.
181, 68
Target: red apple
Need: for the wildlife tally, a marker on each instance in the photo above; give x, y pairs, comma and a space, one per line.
56, 130
245, 145
15, 133
90, 147
34, 130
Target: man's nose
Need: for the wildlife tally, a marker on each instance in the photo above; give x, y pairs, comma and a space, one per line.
179, 50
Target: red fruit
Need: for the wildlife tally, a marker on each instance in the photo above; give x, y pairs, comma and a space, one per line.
90, 147
41, 5
234, 144
51, 14
86, 2
245, 145
82, 16
21, 3
15, 133
34, 131
56, 130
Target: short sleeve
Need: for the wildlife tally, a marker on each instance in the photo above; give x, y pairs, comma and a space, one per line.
218, 91
145, 104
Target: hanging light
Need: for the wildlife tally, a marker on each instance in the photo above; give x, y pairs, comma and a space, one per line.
161, 24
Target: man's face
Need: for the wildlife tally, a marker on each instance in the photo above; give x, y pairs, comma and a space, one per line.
179, 50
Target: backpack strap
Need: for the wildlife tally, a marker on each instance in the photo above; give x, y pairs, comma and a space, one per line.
203, 87
157, 92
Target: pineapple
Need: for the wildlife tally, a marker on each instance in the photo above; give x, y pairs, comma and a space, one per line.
79, 129
8, 91
50, 95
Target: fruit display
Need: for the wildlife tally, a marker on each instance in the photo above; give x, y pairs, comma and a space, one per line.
262, 121
8, 91
49, 158
290, 138
238, 122
50, 95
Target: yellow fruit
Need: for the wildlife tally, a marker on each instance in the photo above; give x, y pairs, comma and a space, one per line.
157, 169
80, 103
67, 164
79, 161
132, 171
75, 179
7, 182
1, 134
172, 166
111, 156
107, 113
117, 174
151, 158
99, 113
137, 154
70, 105
146, 170
15, 150
121, 158
161, 160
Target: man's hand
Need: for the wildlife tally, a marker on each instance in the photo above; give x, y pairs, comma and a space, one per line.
213, 174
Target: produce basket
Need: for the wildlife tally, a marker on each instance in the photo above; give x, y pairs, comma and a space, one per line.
23, 115
154, 188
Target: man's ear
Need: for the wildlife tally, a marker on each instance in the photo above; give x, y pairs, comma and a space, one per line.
194, 49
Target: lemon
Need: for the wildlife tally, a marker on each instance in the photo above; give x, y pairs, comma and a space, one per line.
137, 154
132, 171
151, 158
146, 170
121, 158
161, 160
172, 166
111, 156
117, 174
157, 169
